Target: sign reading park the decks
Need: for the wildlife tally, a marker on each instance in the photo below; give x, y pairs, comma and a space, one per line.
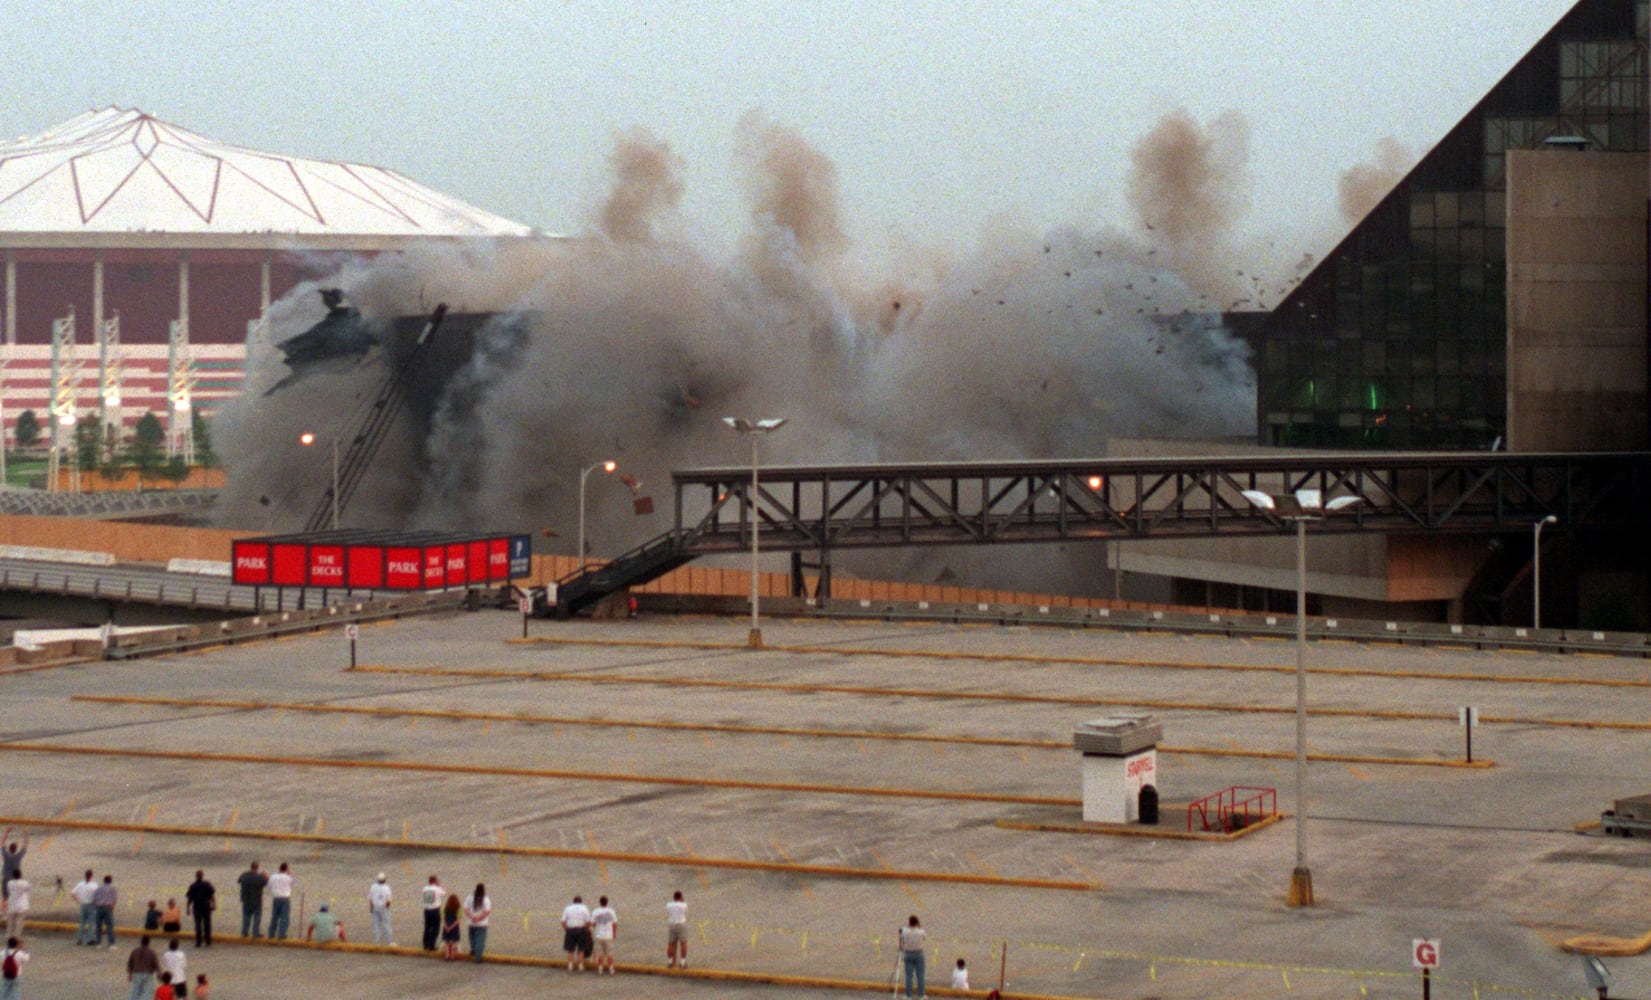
380, 560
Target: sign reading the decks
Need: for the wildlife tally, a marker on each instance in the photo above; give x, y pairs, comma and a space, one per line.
380, 560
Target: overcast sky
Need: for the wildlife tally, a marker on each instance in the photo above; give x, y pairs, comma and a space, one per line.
940, 116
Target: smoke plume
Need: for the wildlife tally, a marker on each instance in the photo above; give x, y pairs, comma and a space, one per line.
629, 346
1188, 186
646, 185
1363, 186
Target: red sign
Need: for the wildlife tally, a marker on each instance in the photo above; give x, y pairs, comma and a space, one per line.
402, 568
250, 562
290, 561
498, 559
454, 574
435, 567
365, 569
476, 563
326, 565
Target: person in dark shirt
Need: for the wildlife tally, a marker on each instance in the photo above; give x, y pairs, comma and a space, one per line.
141, 966
200, 899
252, 883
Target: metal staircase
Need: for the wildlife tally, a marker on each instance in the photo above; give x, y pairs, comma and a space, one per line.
649, 561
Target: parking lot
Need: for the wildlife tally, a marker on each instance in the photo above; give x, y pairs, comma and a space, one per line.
807, 797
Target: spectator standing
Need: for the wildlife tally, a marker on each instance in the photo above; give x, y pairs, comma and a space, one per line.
378, 907
141, 966
200, 899
604, 923
280, 902
11, 969
432, 896
83, 894
911, 955
104, 900
476, 911
325, 927
450, 929
203, 989
11, 860
676, 931
174, 961
165, 991
252, 882
576, 939
17, 903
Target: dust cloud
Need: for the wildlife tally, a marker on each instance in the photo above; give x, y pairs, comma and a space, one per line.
1363, 186
629, 345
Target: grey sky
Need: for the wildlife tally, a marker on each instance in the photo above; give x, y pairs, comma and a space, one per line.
941, 116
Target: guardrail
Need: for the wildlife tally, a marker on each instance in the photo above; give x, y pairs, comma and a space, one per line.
260, 627
1232, 624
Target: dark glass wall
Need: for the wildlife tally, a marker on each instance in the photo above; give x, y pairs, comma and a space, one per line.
1398, 338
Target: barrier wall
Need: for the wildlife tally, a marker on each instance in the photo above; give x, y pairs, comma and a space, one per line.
128, 542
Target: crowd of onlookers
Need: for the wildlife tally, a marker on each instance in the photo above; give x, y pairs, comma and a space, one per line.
588, 935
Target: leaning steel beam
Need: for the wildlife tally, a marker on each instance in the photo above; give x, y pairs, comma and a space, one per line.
864, 506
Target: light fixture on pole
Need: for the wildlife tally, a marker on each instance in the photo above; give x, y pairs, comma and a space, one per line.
1536, 569
755, 429
306, 439
608, 466
1300, 506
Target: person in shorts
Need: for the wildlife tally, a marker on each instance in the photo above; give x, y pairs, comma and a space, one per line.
604, 924
676, 931
576, 936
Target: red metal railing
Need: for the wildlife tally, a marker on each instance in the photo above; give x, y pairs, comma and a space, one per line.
1234, 808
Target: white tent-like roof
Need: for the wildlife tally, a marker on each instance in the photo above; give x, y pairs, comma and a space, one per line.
124, 171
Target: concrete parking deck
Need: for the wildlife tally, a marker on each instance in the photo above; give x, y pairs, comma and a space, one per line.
636, 758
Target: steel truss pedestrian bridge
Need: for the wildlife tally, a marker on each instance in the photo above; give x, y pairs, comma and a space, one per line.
820, 509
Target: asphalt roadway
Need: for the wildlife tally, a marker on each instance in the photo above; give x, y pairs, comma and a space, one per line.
808, 796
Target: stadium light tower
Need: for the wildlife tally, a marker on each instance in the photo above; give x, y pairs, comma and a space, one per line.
1536, 569
1301, 506
754, 429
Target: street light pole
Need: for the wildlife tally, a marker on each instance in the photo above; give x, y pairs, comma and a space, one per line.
754, 429
1536, 569
308, 438
608, 466
1301, 506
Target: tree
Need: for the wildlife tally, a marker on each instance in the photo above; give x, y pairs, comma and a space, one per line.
88, 444
176, 470
204, 455
28, 429
147, 437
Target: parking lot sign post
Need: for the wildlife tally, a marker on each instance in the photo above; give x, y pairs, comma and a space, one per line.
1424, 955
352, 632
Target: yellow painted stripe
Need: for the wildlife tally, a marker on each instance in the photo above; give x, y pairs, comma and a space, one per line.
625, 857
713, 727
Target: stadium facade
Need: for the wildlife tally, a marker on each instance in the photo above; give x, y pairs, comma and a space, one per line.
140, 257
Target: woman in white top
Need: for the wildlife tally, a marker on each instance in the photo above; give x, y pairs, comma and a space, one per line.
476, 910
174, 961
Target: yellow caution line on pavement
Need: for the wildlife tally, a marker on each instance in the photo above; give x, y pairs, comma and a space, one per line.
548, 773
626, 857
1094, 661
997, 696
719, 727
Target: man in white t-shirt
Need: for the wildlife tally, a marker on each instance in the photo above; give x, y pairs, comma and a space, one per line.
676, 931
82, 894
576, 938
17, 903
432, 896
378, 907
280, 904
604, 925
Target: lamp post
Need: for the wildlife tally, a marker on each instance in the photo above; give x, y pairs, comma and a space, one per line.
1536, 569
306, 439
1301, 506
754, 429
608, 466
